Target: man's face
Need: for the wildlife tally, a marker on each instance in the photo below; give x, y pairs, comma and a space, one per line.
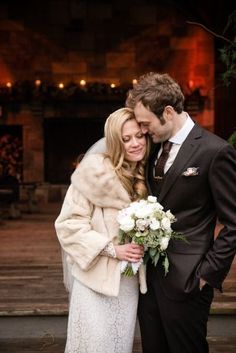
151, 124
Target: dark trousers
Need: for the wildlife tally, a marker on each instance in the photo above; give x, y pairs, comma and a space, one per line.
169, 326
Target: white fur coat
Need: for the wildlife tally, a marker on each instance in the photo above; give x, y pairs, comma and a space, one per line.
87, 223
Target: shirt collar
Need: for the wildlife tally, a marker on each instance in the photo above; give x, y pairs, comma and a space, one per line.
181, 135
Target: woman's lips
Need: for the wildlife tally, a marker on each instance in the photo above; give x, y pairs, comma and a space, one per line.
136, 151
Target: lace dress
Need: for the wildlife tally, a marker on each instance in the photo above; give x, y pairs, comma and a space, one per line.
102, 324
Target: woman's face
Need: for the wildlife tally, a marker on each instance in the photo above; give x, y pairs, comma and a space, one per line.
134, 141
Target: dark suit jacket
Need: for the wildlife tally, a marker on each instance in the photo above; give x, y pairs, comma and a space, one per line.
197, 201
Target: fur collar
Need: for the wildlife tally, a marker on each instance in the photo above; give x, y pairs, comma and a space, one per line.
96, 179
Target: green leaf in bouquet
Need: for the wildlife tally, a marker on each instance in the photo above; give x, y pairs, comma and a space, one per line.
152, 252
179, 236
138, 234
166, 264
138, 241
122, 237
156, 258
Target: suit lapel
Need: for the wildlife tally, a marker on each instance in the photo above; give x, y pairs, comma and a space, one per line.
185, 153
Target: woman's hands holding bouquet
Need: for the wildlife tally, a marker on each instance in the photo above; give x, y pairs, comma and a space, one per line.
129, 252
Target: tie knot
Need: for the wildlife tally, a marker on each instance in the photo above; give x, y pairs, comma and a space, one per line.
167, 146
160, 164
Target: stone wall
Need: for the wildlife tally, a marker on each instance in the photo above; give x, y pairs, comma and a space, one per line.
63, 41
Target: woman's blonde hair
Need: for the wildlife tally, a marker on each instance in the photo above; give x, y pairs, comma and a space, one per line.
130, 174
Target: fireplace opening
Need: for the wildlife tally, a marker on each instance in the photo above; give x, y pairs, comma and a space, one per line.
65, 139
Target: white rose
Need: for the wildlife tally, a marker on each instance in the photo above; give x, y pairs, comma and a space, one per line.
155, 224
157, 206
164, 243
165, 223
141, 224
126, 223
132, 208
129, 211
170, 216
142, 203
144, 211
152, 199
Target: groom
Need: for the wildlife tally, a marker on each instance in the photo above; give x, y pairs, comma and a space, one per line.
198, 186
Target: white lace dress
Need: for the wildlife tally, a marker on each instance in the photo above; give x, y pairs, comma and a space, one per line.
102, 324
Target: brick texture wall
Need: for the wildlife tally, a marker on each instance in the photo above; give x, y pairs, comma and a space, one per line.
116, 41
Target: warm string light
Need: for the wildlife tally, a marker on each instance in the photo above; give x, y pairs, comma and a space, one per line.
26, 91
71, 90
61, 85
37, 83
82, 83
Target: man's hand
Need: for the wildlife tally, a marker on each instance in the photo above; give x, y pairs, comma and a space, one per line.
202, 283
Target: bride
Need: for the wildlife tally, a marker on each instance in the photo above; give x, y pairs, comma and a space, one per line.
103, 303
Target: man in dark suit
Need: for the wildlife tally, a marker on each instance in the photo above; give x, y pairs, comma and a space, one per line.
198, 186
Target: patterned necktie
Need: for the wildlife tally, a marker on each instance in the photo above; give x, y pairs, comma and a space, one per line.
159, 168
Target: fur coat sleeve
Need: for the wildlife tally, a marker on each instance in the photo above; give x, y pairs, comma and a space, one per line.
94, 185
74, 230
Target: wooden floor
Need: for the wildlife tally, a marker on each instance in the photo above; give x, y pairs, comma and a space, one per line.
31, 282
30, 266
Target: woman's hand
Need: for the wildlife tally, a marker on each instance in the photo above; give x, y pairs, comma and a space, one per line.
129, 252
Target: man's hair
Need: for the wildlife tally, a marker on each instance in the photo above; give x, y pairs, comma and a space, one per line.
156, 91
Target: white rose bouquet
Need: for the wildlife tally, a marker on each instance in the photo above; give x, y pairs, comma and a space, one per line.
145, 223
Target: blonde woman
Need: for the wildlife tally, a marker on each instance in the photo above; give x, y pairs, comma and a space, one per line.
103, 303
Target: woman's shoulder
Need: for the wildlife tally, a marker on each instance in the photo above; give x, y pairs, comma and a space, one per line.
93, 164
93, 171
92, 158
96, 179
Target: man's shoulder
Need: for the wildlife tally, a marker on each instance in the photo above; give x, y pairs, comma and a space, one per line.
210, 138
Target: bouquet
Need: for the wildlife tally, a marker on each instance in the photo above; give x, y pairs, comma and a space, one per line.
145, 223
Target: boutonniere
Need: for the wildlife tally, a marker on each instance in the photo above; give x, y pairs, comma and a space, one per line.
191, 171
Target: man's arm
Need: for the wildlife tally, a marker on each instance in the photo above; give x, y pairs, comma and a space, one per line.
222, 179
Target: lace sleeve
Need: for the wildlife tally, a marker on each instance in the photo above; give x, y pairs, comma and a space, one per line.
109, 250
